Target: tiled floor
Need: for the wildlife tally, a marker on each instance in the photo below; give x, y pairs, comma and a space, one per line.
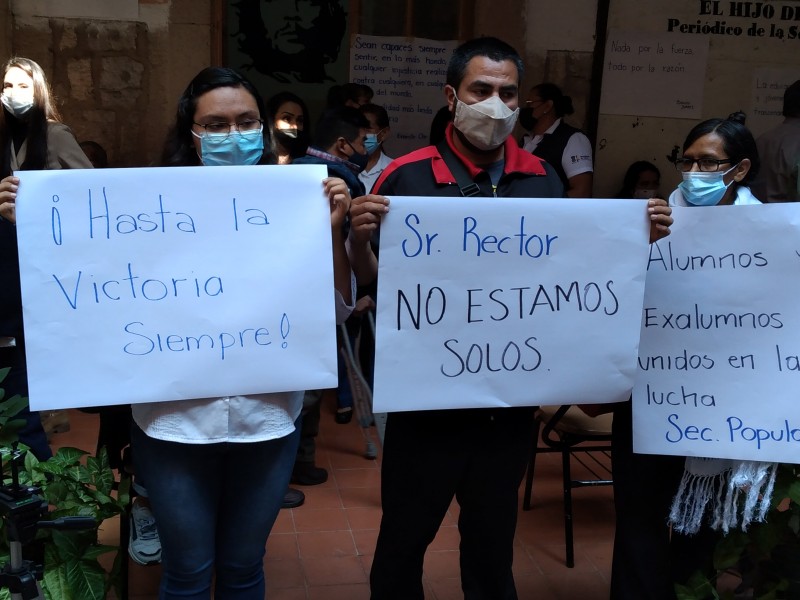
323, 550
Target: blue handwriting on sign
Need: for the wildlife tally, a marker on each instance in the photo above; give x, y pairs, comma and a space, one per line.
102, 223
134, 287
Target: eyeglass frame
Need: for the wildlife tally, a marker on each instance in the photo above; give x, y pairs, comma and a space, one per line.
680, 163
230, 126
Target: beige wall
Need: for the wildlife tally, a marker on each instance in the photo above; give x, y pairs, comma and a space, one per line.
116, 68
728, 87
5, 31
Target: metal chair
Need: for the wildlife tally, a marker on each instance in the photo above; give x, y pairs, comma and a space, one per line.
573, 433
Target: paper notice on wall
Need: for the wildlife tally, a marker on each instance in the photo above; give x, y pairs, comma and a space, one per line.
769, 85
408, 77
655, 75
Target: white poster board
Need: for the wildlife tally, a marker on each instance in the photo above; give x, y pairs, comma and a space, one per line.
508, 302
408, 77
719, 359
172, 283
654, 74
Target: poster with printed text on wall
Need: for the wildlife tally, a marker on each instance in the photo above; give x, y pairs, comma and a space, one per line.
408, 77
719, 357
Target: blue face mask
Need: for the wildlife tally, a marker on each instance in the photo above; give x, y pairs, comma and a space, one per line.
234, 148
371, 143
704, 189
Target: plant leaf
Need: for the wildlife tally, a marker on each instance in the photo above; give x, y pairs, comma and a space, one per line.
87, 579
54, 581
68, 457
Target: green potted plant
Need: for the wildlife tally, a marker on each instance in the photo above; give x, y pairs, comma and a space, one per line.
73, 484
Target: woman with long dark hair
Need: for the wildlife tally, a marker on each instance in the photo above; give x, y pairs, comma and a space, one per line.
32, 137
217, 469
289, 125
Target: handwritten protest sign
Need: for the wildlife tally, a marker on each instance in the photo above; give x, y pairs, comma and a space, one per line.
719, 360
165, 284
506, 301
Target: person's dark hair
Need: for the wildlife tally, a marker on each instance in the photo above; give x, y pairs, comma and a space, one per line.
273, 104
439, 124
737, 141
490, 47
95, 153
179, 147
791, 100
354, 92
35, 124
632, 177
562, 105
376, 110
334, 123
335, 96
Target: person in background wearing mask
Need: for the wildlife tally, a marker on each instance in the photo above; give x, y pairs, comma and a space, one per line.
32, 137
288, 123
338, 143
641, 181
378, 132
719, 160
563, 146
477, 456
217, 468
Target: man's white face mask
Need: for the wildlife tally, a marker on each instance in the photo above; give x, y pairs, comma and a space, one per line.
486, 124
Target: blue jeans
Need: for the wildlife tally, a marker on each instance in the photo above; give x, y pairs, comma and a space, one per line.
214, 506
16, 382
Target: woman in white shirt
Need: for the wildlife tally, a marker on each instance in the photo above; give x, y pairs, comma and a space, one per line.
217, 468
566, 148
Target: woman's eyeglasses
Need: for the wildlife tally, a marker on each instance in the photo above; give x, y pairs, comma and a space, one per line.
705, 164
222, 128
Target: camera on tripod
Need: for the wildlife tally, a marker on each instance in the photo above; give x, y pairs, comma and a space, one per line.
23, 511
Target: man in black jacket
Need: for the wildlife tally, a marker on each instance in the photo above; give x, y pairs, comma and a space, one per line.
477, 455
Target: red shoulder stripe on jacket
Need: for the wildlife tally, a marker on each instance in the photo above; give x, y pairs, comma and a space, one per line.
415, 156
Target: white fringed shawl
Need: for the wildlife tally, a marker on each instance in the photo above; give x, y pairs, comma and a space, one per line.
734, 492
